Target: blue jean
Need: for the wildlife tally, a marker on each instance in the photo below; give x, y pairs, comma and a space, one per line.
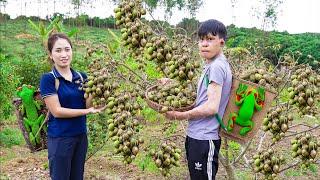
67, 157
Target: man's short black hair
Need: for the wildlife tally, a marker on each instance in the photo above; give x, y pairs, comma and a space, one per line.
213, 27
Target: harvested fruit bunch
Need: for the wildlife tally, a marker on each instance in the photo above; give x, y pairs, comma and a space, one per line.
277, 122
304, 91
122, 129
172, 96
262, 77
100, 84
267, 163
306, 147
167, 156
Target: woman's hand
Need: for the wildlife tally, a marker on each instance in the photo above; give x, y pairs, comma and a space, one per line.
93, 110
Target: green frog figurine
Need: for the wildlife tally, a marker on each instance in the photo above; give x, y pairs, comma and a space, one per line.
29, 110
248, 99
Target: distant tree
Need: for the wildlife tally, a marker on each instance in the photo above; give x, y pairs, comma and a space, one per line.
190, 25
191, 5
4, 17
77, 4
55, 15
82, 20
267, 11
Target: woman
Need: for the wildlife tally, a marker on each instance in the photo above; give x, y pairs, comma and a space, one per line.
67, 131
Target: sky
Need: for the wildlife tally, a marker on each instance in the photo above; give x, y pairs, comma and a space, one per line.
294, 16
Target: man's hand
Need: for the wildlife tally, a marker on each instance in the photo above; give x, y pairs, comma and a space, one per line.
176, 115
164, 81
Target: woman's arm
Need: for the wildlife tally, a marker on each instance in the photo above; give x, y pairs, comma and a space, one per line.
53, 104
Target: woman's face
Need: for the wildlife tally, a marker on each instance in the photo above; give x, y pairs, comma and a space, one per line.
61, 53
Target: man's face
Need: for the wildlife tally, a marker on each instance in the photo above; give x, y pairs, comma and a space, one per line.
61, 53
210, 46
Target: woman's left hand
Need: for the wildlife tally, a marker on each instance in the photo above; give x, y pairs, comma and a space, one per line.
97, 110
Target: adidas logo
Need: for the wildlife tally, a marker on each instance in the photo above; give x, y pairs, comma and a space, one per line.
198, 166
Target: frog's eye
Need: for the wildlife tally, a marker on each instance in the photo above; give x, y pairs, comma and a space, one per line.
19, 88
29, 86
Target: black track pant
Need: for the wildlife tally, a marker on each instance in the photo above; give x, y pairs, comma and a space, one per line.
202, 156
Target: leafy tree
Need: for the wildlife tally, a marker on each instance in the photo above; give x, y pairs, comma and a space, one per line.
190, 25
307, 44
55, 25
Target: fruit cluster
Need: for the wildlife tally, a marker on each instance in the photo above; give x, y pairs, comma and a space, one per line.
121, 129
267, 163
276, 122
175, 62
172, 96
167, 156
305, 146
262, 77
99, 84
304, 91
122, 101
134, 32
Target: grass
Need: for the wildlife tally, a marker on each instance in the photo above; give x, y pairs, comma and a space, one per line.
151, 115
11, 136
244, 174
299, 171
8, 155
145, 163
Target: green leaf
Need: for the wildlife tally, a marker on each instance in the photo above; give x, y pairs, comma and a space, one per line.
114, 36
33, 25
73, 32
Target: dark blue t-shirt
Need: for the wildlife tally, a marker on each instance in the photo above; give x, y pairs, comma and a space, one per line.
69, 97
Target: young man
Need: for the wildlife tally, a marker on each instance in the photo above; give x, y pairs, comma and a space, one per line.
203, 140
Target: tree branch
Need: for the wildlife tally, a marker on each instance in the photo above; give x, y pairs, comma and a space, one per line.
300, 124
261, 141
291, 166
244, 150
316, 127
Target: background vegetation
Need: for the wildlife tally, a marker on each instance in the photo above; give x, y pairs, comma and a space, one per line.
23, 59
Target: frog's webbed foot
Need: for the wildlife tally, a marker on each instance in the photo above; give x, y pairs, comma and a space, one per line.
240, 94
260, 98
232, 120
248, 126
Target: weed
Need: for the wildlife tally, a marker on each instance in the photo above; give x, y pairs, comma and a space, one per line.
10, 137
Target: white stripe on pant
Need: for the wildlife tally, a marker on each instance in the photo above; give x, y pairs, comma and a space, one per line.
210, 159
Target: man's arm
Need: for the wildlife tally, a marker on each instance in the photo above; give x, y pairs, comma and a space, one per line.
209, 108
